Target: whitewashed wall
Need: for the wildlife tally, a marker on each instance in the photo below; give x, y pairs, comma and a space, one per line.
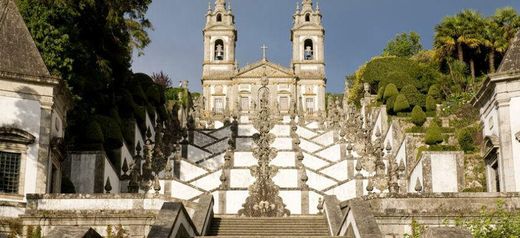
515, 144
26, 115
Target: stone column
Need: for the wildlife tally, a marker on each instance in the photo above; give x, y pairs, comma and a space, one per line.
43, 161
507, 168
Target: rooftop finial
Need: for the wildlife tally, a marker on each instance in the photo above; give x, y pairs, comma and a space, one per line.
297, 6
229, 5
209, 6
317, 6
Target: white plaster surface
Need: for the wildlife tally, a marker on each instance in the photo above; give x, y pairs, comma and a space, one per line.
309, 146
444, 172
213, 163
24, 114
318, 182
111, 173
200, 139
244, 159
216, 203
313, 202
281, 130
183, 191
246, 130
286, 178
195, 154
240, 178
83, 167
218, 124
344, 191
515, 128
218, 147
313, 162
208, 182
337, 171
190, 171
292, 200
332, 153
244, 143
12, 212
282, 143
225, 132
325, 139
244, 119
234, 200
305, 133
284, 159
313, 125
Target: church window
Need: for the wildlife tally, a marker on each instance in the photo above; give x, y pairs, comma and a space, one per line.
219, 17
308, 50
308, 17
309, 104
219, 50
219, 105
496, 177
9, 172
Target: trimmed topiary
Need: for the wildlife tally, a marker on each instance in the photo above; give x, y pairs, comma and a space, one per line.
412, 94
93, 133
390, 91
389, 105
431, 104
418, 116
433, 134
401, 104
153, 95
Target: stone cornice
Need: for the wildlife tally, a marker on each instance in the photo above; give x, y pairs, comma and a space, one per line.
43, 80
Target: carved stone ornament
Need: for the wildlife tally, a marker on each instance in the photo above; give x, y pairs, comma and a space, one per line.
517, 136
263, 199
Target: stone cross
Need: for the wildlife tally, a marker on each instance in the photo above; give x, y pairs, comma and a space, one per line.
264, 49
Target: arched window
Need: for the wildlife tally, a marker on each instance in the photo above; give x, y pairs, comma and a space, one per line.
219, 17
219, 50
308, 17
308, 52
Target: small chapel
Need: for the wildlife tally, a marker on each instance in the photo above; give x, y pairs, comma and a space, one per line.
227, 87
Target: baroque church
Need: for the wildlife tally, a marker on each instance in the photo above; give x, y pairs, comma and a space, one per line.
279, 162
228, 87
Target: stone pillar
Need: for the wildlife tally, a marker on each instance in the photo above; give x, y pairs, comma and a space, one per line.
506, 164
44, 160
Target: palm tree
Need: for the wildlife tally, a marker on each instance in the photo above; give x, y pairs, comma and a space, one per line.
493, 39
446, 40
472, 24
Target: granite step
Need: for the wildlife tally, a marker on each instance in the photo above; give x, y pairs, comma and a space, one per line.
311, 226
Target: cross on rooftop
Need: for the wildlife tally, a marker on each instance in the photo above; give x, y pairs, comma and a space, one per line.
264, 49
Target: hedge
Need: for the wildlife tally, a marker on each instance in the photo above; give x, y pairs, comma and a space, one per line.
390, 91
111, 132
413, 95
431, 104
92, 133
389, 105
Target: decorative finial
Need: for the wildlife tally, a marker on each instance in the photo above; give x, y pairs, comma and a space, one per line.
209, 6
229, 5
418, 186
297, 6
317, 6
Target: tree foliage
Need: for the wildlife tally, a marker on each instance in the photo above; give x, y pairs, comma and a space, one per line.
90, 44
497, 223
404, 45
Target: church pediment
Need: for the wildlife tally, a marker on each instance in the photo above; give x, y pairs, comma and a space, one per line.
219, 27
271, 70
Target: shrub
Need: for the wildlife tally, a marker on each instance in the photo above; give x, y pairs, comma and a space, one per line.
418, 116
431, 104
435, 91
390, 91
93, 133
413, 95
466, 139
153, 94
433, 134
389, 105
401, 104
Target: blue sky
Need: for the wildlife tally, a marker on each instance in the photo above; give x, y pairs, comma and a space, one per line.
356, 30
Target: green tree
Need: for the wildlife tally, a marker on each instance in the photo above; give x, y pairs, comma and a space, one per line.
401, 104
404, 45
494, 223
390, 91
498, 31
433, 134
418, 116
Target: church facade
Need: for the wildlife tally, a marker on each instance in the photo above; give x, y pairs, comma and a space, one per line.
226, 87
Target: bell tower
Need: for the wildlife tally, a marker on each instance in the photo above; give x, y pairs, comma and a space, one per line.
308, 56
219, 65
